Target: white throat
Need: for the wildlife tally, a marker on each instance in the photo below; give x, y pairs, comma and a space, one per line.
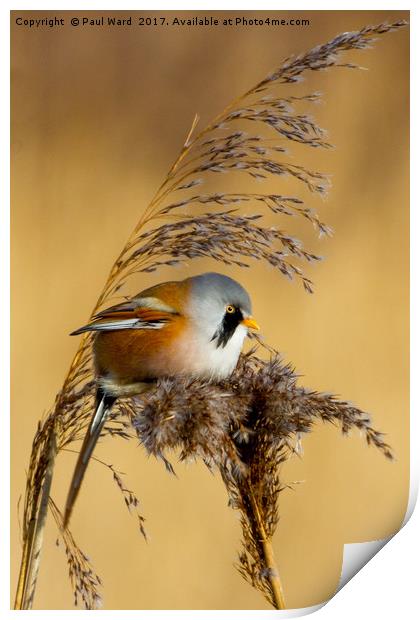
218, 362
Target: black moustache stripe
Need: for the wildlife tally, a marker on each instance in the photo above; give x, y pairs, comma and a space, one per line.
227, 328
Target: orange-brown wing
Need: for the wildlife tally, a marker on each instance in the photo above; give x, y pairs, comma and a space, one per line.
129, 315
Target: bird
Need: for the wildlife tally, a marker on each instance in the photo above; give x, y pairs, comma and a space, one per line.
187, 328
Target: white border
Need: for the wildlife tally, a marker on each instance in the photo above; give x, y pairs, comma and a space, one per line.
5, 313
386, 587
216, 5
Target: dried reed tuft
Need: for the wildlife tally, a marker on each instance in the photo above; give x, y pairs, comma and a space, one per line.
83, 578
245, 427
247, 434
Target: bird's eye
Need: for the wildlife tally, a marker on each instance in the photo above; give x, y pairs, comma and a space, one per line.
230, 309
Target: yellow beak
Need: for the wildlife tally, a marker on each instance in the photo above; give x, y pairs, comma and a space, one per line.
251, 323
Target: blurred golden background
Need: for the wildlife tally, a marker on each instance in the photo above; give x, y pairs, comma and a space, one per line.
98, 116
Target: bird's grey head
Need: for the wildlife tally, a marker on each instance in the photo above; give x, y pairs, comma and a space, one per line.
219, 304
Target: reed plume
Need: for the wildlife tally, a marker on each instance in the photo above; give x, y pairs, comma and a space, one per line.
246, 426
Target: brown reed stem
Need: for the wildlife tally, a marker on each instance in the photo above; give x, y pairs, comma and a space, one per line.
31, 555
24, 565
270, 561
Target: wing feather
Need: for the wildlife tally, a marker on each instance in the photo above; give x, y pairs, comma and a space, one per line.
130, 315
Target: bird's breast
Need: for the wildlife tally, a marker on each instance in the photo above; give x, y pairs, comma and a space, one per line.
200, 355
179, 348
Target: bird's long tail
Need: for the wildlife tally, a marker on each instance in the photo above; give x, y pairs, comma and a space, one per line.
103, 407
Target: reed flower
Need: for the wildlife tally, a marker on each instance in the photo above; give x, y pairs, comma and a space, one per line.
244, 427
